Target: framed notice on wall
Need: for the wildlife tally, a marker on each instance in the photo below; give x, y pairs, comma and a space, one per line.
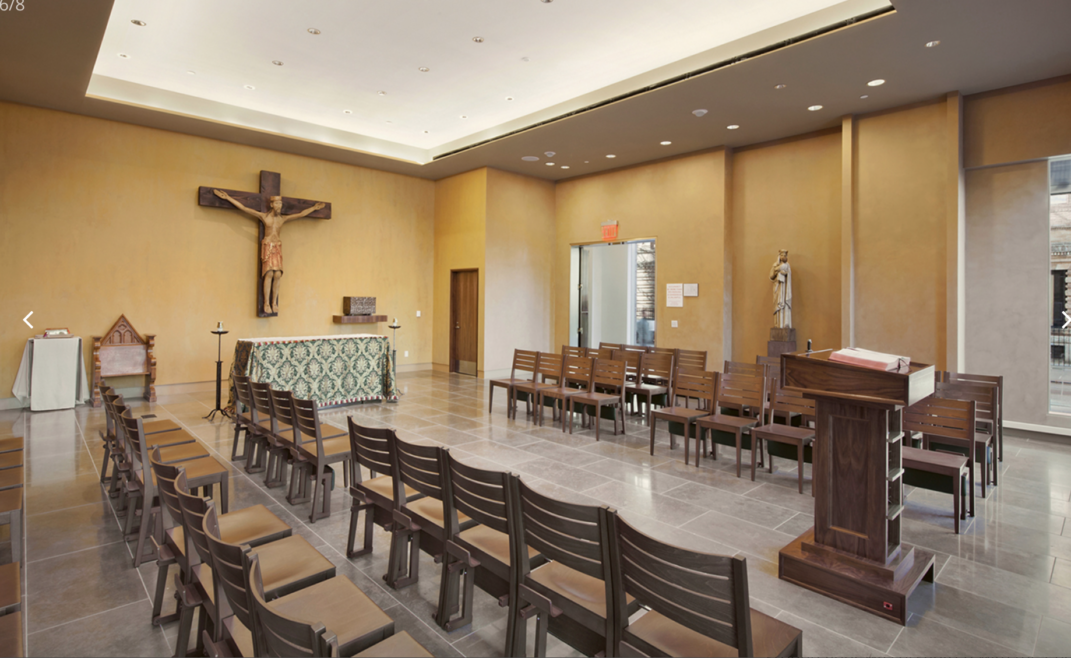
674, 294
691, 290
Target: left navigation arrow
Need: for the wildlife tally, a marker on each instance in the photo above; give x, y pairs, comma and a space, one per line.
27, 320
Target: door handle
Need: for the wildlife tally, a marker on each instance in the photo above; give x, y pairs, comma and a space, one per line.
457, 327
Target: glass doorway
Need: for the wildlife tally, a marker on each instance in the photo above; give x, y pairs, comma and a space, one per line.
1059, 281
613, 294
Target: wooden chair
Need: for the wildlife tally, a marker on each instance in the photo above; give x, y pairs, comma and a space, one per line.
606, 375
745, 392
576, 379
571, 594
768, 360
995, 380
687, 383
798, 441
523, 361
985, 399
945, 422
285, 434
740, 368
939, 471
11, 514
256, 442
698, 603
252, 525
632, 361
548, 367
10, 588
426, 523
570, 351
268, 425
696, 359
599, 353
289, 565
124, 352
655, 378
485, 554
663, 350
371, 448
610, 346
201, 470
113, 450
11, 634
317, 455
243, 422
346, 621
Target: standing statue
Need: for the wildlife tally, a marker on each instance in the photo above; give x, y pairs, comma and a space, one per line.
271, 247
781, 275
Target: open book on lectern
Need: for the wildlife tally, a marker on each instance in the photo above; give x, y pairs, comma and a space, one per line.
857, 356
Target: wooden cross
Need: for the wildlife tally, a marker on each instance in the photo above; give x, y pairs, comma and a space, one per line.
270, 183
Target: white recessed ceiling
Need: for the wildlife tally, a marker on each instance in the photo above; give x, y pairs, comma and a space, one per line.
537, 61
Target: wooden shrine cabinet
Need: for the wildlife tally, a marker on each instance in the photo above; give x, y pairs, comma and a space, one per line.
120, 352
854, 552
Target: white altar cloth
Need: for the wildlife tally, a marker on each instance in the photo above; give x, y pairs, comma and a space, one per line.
51, 375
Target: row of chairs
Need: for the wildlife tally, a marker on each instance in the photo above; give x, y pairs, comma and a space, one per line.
11, 506
287, 430
127, 442
581, 570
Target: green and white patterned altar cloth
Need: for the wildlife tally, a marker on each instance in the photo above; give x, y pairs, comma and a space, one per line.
331, 370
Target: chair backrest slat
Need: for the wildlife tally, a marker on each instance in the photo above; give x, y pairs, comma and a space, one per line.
984, 395
788, 402
370, 447
482, 495
569, 350
692, 359
282, 635
577, 371
245, 395
657, 368
550, 366
600, 353
609, 346
740, 368
946, 418
738, 390
193, 513
420, 467
703, 592
227, 568
261, 394
608, 373
695, 383
524, 361
632, 362
569, 533
282, 407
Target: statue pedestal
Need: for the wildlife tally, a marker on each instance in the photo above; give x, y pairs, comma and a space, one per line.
781, 341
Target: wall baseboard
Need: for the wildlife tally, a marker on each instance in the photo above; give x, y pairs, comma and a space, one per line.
1038, 429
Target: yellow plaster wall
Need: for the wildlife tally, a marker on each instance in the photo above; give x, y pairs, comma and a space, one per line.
519, 261
1018, 123
900, 232
460, 234
680, 203
786, 196
99, 218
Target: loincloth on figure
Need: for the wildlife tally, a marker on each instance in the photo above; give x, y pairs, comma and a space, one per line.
271, 256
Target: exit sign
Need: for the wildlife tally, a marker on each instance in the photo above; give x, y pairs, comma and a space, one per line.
609, 230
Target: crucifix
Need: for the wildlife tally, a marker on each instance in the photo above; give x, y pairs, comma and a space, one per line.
272, 210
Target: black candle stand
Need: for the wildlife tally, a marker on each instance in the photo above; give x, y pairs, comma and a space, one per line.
219, 374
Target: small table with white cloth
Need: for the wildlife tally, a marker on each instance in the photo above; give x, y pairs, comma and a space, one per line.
51, 375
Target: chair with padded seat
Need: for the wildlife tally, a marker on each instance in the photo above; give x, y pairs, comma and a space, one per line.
370, 447
314, 455
485, 554
571, 593
331, 618
688, 383
698, 602
523, 361
576, 378
607, 389
746, 396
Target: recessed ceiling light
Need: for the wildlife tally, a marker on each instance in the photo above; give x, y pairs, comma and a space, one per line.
139, 23
250, 87
547, 2
423, 69
550, 164
549, 154
124, 56
875, 83
565, 166
191, 72
425, 132
699, 113
525, 59
732, 126
347, 111
611, 156
478, 39
276, 62
313, 30
464, 116
509, 98
666, 143
780, 86
814, 108
530, 158
390, 122
865, 96
382, 93
932, 44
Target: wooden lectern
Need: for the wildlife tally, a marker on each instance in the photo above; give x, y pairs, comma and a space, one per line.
853, 553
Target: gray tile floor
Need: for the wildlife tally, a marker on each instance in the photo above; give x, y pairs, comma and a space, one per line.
1003, 586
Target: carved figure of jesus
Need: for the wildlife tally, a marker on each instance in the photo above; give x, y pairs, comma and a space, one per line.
271, 247
781, 275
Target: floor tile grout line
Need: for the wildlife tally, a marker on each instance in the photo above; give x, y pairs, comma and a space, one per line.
898, 634
95, 614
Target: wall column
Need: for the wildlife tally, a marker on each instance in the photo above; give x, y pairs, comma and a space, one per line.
956, 243
847, 233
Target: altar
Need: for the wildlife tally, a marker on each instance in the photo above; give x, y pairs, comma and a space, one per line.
331, 370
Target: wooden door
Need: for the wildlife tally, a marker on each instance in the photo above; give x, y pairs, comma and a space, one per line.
464, 321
